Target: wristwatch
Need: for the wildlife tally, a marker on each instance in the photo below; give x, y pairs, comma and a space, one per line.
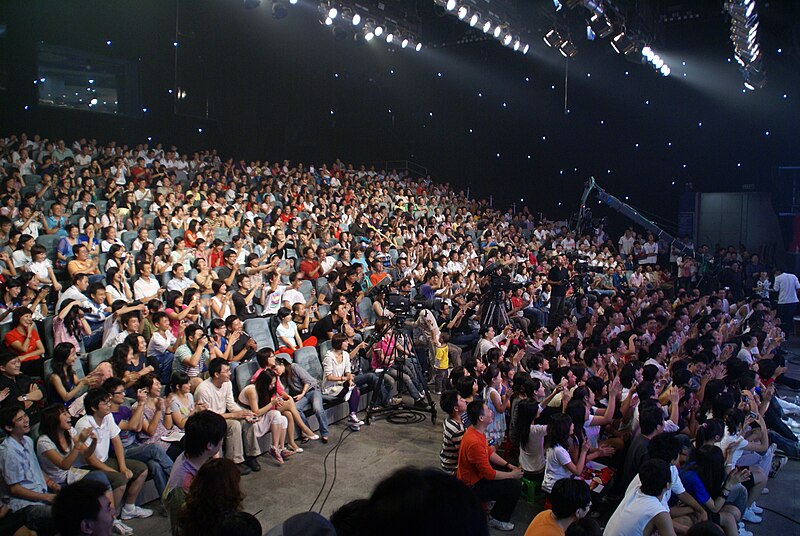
24, 398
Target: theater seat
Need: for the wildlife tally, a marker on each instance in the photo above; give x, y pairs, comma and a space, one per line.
258, 330
242, 375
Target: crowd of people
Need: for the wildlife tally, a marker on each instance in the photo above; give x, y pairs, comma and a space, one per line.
136, 280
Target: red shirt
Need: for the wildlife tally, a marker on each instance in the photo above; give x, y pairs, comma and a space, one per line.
14, 335
307, 267
473, 458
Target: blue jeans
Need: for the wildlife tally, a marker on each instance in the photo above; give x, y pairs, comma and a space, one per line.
93, 341
314, 398
165, 367
159, 465
370, 379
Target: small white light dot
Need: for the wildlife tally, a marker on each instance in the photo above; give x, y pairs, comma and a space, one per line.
390, 110
626, 198
504, 105
669, 144
780, 50
766, 133
559, 203
636, 145
169, 91
739, 164
430, 114
700, 124
552, 87
498, 155
144, 110
576, 169
331, 112
608, 171
673, 183
626, 73
200, 130
602, 122
336, 75
647, 102
785, 96
561, 172
470, 131
684, 75
544, 138
391, 71
588, 75
684, 64
684, 166
175, 43
26, 106
529, 157
439, 75
527, 79
149, 138
108, 43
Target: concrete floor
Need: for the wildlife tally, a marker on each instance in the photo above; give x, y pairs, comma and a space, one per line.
366, 457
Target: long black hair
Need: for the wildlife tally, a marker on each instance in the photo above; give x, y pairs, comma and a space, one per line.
527, 410
708, 462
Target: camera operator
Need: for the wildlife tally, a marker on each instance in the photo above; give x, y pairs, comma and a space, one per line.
558, 278
463, 329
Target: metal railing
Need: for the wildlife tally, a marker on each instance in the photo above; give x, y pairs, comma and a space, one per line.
400, 165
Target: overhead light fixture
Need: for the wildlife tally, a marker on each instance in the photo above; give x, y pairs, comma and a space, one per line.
328, 21
525, 49
418, 47
451, 5
378, 31
553, 38
623, 44
497, 31
507, 39
568, 49
463, 11
333, 13
487, 26
517, 44
744, 37
389, 37
600, 25
404, 42
474, 19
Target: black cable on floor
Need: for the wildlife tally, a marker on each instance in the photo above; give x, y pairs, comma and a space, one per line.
325, 469
796, 522
335, 457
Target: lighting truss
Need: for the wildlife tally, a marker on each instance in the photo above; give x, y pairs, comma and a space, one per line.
346, 18
493, 24
744, 37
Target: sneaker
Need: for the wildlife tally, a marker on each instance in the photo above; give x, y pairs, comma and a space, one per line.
744, 532
311, 437
751, 516
285, 453
500, 525
133, 512
421, 403
121, 528
353, 418
244, 469
252, 463
355, 427
756, 509
277, 455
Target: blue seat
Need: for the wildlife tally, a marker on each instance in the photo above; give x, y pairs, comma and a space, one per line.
242, 375
307, 358
258, 329
366, 311
305, 289
98, 356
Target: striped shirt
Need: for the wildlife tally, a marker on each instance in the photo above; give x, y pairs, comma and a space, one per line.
451, 441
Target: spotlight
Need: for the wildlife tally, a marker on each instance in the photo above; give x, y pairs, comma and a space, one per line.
648, 53
600, 25
279, 10
351, 16
516, 44
657, 61
525, 49
378, 31
328, 21
418, 47
497, 31
507, 39
356, 19
463, 12
251, 4
293, 2
93, 102
451, 5
404, 42
568, 49
665, 70
487, 26
369, 35
389, 37
333, 13
623, 44
369, 29
554, 39
474, 19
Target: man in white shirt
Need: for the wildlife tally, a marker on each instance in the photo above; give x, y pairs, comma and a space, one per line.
119, 470
626, 243
643, 512
650, 251
163, 344
179, 281
786, 285
146, 287
217, 394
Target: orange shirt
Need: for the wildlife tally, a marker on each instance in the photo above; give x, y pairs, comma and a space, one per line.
15, 336
473, 458
544, 524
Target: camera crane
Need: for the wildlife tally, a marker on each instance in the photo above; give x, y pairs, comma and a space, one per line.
612, 202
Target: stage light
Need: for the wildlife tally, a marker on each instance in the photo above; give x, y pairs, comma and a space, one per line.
451, 5
553, 39
525, 49
648, 53
657, 61
665, 70
369, 29
333, 13
418, 47
474, 19
293, 2
356, 19
600, 25
404, 42
349, 15
497, 31
378, 31
507, 39
328, 21
516, 44
487, 26
93, 102
623, 44
279, 10
368, 36
463, 12
568, 49
389, 37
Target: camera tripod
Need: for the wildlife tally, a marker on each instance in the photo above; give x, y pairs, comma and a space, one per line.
495, 314
401, 413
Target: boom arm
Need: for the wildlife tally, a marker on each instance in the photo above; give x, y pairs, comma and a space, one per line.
626, 210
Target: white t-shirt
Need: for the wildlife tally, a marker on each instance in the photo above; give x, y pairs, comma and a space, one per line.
677, 486
633, 514
293, 296
554, 470
787, 285
531, 456
652, 253
159, 343
107, 431
626, 244
727, 439
144, 289
286, 332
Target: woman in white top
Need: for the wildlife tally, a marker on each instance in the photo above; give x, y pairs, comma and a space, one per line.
221, 306
558, 463
338, 377
180, 401
118, 287
288, 335
262, 398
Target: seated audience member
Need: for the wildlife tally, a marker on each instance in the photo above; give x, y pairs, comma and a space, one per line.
156, 419
570, 500
24, 342
84, 508
338, 379
262, 398
192, 356
288, 336
216, 393
558, 462
306, 391
642, 513
19, 389
453, 429
476, 462
24, 487
63, 385
651, 423
213, 493
126, 475
180, 400
163, 344
205, 431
